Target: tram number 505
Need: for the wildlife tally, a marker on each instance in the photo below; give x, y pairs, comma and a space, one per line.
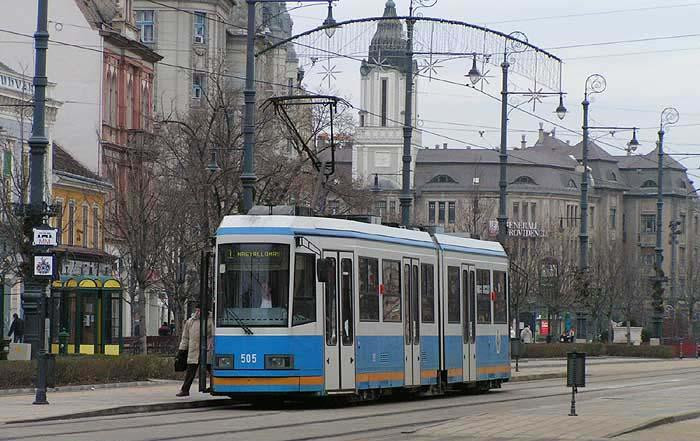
249, 358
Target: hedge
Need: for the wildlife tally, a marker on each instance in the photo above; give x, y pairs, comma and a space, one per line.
559, 350
73, 370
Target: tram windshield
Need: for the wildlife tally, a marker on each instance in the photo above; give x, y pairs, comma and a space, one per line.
253, 288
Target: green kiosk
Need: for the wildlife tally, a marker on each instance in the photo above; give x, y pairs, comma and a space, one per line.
86, 314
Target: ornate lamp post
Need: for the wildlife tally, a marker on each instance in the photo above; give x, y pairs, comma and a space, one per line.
669, 116
248, 178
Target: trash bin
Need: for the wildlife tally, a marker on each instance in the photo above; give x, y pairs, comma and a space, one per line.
576, 369
50, 370
516, 347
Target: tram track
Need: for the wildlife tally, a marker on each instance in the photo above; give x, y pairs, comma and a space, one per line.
421, 409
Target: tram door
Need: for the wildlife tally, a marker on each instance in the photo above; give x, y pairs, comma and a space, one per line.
339, 322
469, 322
411, 322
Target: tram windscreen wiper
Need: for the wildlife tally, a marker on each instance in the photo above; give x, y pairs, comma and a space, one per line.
240, 322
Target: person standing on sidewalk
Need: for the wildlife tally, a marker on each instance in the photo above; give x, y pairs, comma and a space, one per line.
526, 335
190, 343
17, 328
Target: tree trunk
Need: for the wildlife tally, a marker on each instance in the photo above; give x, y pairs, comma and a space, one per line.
629, 332
141, 308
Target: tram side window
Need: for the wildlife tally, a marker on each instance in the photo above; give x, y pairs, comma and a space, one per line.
427, 293
304, 302
483, 297
391, 280
369, 289
499, 303
453, 294
331, 305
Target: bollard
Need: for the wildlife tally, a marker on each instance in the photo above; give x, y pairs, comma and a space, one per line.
516, 346
575, 376
63, 342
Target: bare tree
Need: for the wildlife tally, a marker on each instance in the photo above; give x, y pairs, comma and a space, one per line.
606, 276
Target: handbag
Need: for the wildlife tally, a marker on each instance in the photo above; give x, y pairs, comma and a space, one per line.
181, 361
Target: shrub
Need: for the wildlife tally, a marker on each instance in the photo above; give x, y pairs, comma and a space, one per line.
71, 370
559, 350
646, 336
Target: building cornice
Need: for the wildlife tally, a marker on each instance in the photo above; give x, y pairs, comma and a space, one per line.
134, 46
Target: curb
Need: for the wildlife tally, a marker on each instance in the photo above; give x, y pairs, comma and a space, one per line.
84, 387
535, 377
125, 410
662, 421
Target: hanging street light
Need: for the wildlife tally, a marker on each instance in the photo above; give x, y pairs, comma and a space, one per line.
474, 74
561, 109
330, 23
633, 145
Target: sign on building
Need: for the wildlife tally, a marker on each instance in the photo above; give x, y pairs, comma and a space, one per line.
43, 265
517, 229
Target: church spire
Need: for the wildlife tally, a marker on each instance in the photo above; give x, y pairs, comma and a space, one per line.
388, 47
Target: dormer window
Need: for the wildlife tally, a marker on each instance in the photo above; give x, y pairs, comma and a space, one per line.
571, 184
612, 176
681, 183
649, 184
524, 180
442, 179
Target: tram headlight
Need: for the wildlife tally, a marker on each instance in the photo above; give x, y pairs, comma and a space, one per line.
279, 362
224, 362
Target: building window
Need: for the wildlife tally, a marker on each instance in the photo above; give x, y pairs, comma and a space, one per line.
524, 180
59, 221
95, 227
516, 211
441, 212
86, 223
442, 179
591, 212
682, 226
431, 213
648, 256
71, 223
130, 102
681, 257
648, 223
571, 184
146, 25
380, 208
200, 27
333, 206
696, 225
533, 212
362, 119
525, 212
613, 218
612, 176
451, 212
571, 215
649, 184
392, 208
198, 85
385, 83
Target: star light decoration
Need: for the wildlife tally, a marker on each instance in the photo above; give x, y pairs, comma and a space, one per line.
330, 73
380, 62
534, 96
430, 66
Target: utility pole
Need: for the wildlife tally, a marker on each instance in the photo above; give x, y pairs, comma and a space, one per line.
675, 231
503, 156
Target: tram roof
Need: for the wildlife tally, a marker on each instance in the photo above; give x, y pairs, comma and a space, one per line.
321, 226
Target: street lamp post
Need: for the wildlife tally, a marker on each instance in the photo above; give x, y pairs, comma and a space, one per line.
669, 116
518, 43
248, 177
34, 297
406, 199
594, 84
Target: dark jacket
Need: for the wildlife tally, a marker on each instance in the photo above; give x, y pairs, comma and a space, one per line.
17, 327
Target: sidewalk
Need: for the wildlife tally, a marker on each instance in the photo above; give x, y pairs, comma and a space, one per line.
599, 417
103, 402
161, 396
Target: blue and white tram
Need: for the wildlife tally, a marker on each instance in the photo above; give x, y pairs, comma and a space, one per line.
328, 306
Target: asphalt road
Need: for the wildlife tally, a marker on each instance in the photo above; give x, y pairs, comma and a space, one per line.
635, 395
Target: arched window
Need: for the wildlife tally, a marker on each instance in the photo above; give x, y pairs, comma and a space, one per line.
571, 184
113, 102
649, 184
524, 180
129, 101
612, 176
442, 179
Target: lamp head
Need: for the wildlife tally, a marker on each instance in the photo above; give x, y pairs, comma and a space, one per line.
561, 109
633, 145
474, 74
330, 23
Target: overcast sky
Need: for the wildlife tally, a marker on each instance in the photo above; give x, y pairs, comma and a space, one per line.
642, 77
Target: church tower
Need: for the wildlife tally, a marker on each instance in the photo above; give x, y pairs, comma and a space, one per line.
379, 138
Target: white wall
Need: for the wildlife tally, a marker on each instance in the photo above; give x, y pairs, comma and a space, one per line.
76, 72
